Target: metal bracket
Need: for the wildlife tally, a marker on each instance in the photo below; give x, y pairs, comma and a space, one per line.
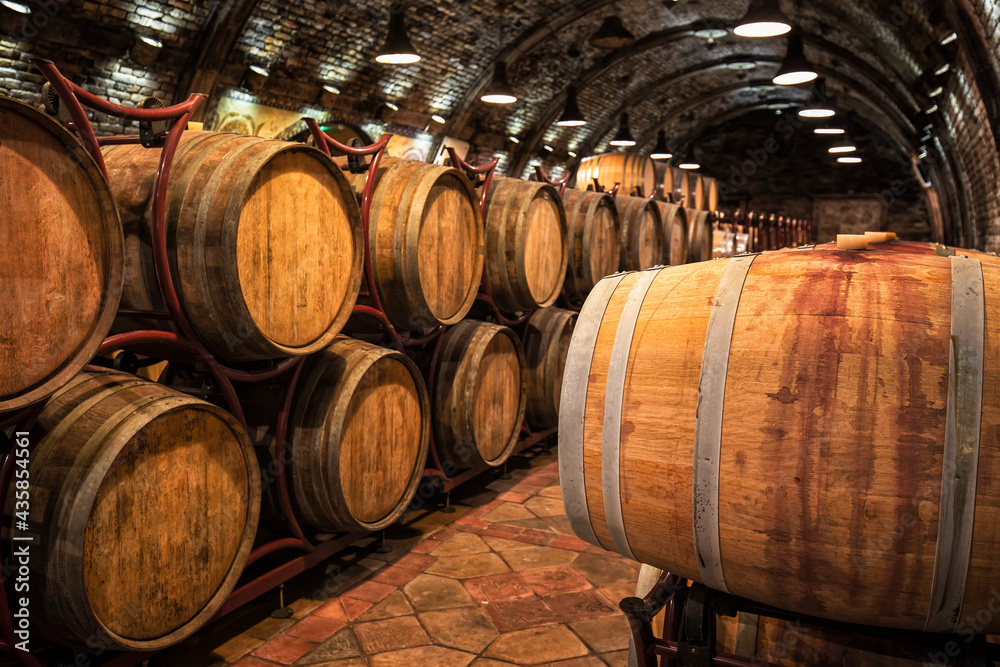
696, 644
153, 133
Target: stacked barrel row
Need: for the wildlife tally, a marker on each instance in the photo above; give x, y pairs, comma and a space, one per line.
141, 486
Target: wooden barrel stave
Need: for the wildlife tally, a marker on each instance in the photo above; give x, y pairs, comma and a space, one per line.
479, 395
641, 238
699, 235
675, 234
72, 283
145, 505
593, 233
526, 250
807, 354
546, 343
264, 239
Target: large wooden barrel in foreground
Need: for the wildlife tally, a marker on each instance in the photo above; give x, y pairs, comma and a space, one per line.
629, 170
831, 414
264, 239
642, 233
479, 395
546, 343
358, 433
526, 251
675, 234
61, 260
426, 242
594, 233
699, 235
144, 506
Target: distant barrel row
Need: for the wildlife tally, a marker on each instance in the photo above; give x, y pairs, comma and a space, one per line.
632, 172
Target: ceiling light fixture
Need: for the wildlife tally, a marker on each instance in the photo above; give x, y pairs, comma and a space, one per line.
571, 115
145, 50
571, 153
392, 106
795, 69
397, 49
612, 34
689, 162
333, 90
764, 18
439, 119
849, 160
513, 139
660, 150
16, 7
742, 66
499, 91
623, 137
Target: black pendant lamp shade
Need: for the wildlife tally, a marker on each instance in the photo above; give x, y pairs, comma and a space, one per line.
612, 34
397, 49
499, 91
764, 18
689, 161
660, 150
571, 115
795, 69
623, 137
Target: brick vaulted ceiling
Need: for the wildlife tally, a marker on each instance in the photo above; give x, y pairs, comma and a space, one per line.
873, 54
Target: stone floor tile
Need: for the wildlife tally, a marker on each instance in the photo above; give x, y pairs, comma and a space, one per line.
237, 647
428, 592
305, 606
370, 591
464, 567
560, 524
418, 562
537, 558
283, 650
465, 628
395, 576
551, 492
585, 661
394, 605
354, 608
585, 604
460, 544
520, 614
503, 544
490, 662
617, 593
315, 628
340, 646
542, 645
616, 659
250, 661
569, 542
542, 507
428, 656
534, 523
391, 634
498, 588
555, 580
603, 571
331, 609
513, 497
500, 530
269, 627
508, 512
605, 634
349, 662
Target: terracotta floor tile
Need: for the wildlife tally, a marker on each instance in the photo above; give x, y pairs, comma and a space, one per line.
603, 571
305, 606
537, 537
534, 523
342, 645
560, 524
509, 512
418, 562
283, 649
370, 591
461, 544
269, 627
471, 521
490, 662
513, 497
499, 530
556, 580
616, 659
331, 609
253, 662
394, 605
585, 604
551, 492
542, 507
503, 544
315, 628
424, 547
428, 592
465, 628
473, 565
537, 558
395, 576
605, 634
617, 593
498, 588
543, 645
428, 656
349, 662
519, 614
354, 608
569, 542
585, 661
237, 647
391, 634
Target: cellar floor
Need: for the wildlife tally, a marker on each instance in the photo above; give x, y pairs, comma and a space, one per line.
499, 581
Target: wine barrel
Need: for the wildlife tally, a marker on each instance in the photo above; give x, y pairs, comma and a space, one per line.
711, 193
675, 186
61, 269
630, 170
144, 506
526, 252
358, 435
699, 235
675, 234
546, 342
593, 233
425, 242
264, 239
811, 403
479, 395
641, 238
696, 191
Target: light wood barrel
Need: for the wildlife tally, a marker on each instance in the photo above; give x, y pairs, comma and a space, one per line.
264, 238
546, 343
358, 435
699, 235
526, 251
696, 191
780, 429
675, 234
479, 395
61, 268
630, 170
426, 242
641, 238
711, 193
144, 507
675, 184
593, 233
